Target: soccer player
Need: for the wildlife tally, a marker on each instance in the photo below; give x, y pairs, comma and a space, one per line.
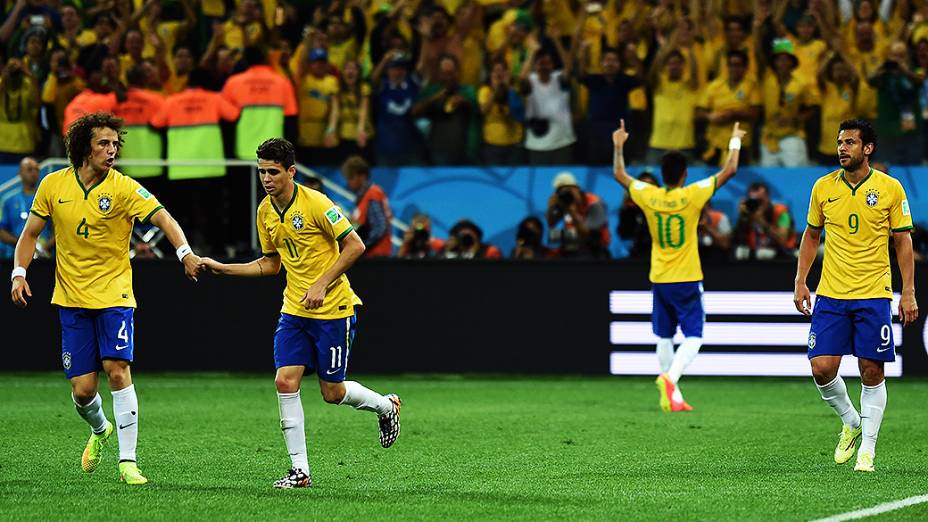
94, 207
305, 232
859, 208
673, 213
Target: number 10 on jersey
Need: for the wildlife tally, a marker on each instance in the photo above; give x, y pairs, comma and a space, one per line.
666, 226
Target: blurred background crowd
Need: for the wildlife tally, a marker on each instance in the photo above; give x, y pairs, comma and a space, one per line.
466, 82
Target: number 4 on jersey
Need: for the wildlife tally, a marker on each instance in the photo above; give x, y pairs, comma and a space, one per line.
83, 229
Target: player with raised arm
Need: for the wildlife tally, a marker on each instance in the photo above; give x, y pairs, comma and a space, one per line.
303, 231
94, 208
673, 213
859, 208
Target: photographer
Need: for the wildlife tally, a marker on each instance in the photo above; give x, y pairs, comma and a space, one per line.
372, 217
418, 242
528, 240
765, 229
633, 226
585, 230
19, 109
899, 118
466, 242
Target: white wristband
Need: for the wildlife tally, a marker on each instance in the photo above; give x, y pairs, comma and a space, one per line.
18, 272
183, 251
734, 143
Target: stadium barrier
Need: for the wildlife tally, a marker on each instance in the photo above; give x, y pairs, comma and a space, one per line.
497, 317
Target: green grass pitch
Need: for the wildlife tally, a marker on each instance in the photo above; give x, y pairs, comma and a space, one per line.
471, 448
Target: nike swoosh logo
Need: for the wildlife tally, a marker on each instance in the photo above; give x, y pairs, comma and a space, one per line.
121, 347
332, 372
883, 350
833, 200
64, 200
127, 425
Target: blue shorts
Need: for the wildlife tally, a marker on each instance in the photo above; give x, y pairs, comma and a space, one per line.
89, 336
677, 304
322, 345
859, 327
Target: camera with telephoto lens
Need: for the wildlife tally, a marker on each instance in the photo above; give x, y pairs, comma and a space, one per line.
467, 239
420, 234
565, 198
752, 204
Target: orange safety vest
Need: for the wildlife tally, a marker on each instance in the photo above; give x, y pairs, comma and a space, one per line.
265, 98
384, 247
85, 103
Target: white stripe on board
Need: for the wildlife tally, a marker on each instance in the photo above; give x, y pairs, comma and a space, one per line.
738, 364
876, 510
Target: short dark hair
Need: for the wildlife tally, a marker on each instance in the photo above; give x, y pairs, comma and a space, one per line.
279, 150
737, 53
867, 133
253, 55
613, 50
199, 77
673, 167
355, 165
675, 54
757, 185
80, 134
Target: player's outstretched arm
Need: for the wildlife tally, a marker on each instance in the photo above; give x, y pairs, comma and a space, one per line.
619, 137
808, 249
734, 152
163, 220
263, 266
25, 250
908, 307
351, 248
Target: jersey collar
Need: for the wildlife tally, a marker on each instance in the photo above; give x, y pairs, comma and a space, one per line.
86, 191
854, 189
282, 213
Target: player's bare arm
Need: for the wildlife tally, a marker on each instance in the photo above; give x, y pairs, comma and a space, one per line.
808, 249
163, 220
25, 250
908, 307
734, 152
619, 137
263, 266
351, 248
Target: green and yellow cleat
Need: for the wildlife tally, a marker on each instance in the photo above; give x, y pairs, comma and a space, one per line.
847, 443
864, 462
130, 474
93, 452
665, 387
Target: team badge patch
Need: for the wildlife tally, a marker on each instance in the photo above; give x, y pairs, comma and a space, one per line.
66, 360
905, 208
873, 197
297, 221
812, 340
144, 193
333, 215
105, 202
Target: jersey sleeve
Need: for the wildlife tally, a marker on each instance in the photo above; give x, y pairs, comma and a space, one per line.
900, 216
330, 219
701, 191
816, 218
264, 237
639, 191
141, 203
42, 204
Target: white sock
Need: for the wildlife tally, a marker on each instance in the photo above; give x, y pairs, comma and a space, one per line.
684, 356
872, 404
92, 412
291, 424
676, 396
835, 394
362, 398
664, 353
126, 412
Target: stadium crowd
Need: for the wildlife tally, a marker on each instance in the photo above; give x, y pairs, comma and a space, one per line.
456, 82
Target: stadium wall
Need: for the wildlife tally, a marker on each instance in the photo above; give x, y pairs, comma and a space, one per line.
454, 316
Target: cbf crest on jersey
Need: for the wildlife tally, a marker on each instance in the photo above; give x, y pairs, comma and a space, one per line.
66, 360
812, 340
105, 202
297, 221
873, 198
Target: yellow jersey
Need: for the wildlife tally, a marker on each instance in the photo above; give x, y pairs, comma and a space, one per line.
305, 234
858, 222
92, 231
498, 126
673, 216
720, 96
672, 123
839, 103
786, 102
315, 97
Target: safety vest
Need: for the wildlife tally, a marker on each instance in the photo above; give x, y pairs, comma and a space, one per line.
142, 142
264, 98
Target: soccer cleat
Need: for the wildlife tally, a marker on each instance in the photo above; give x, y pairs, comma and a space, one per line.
676, 406
390, 423
864, 462
130, 474
847, 443
295, 478
665, 386
93, 452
